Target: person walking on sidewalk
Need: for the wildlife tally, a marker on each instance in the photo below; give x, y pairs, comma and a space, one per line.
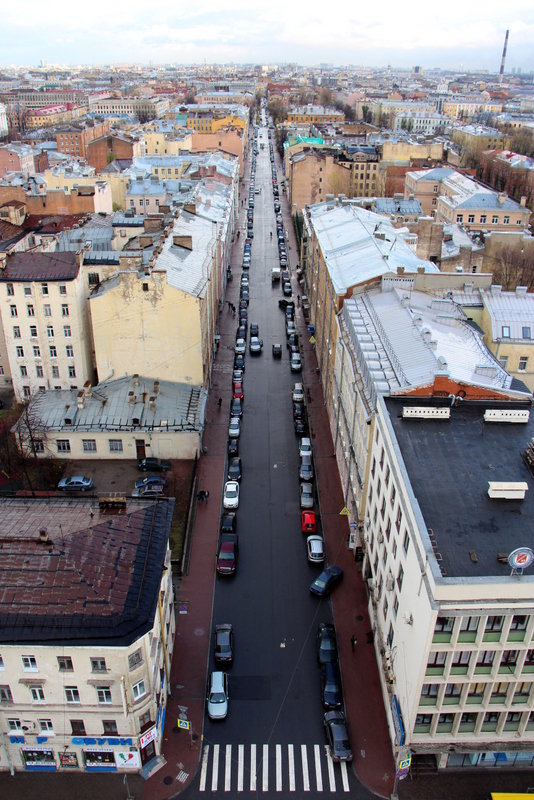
206, 496
219, 403
353, 641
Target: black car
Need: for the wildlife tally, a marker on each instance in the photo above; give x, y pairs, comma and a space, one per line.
326, 643
236, 407
277, 351
151, 464
229, 522
331, 688
254, 329
325, 582
284, 304
239, 362
337, 736
299, 411
301, 427
292, 340
234, 469
224, 644
241, 333
233, 447
286, 289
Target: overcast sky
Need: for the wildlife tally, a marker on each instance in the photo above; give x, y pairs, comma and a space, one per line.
454, 34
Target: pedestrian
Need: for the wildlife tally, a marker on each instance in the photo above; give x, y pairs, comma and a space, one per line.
353, 641
298, 299
219, 403
228, 303
200, 497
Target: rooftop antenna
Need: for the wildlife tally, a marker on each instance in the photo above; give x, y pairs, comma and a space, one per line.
503, 59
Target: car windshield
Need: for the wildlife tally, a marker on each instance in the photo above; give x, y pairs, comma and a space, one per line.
331, 687
226, 555
322, 580
217, 697
231, 492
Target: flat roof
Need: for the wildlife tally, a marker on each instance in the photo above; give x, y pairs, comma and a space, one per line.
95, 581
449, 465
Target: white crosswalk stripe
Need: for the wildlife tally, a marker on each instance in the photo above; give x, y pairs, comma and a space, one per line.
282, 768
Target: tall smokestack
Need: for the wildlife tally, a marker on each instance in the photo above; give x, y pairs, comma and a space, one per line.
503, 59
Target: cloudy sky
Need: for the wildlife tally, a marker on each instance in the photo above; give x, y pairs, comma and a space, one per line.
455, 34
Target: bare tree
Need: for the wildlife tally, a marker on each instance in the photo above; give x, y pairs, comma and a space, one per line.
30, 435
511, 267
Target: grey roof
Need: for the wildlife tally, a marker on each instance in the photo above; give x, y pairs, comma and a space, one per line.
189, 270
110, 407
436, 174
513, 309
390, 205
488, 200
449, 464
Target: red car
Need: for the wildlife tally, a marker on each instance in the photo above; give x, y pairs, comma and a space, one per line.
309, 523
237, 390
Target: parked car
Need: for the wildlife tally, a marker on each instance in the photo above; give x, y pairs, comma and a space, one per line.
308, 522
234, 428
299, 410
326, 643
151, 480
231, 494
218, 695
236, 407
155, 490
234, 469
228, 522
295, 363
337, 736
237, 390
286, 289
151, 464
277, 350
240, 346
254, 329
306, 495
283, 303
326, 581
315, 548
239, 361
224, 643
305, 448
76, 483
227, 554
331, 687
301, 426
233, 447
255, 346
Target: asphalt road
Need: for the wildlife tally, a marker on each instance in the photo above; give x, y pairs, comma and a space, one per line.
273, 738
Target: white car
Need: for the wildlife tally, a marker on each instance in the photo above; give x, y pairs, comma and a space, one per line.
255, 345
298, 394
305, 448
231, 495
234, 428
295, 364
315, 545
240, 347
218, 695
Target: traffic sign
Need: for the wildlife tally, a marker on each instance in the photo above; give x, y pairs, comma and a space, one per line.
344, 512
184, 724
312, 340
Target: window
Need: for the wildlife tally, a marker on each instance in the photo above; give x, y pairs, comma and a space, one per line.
503, 361
459, 217
29, 663
62, 289
77, 727
13, 310
93, 279
16, 332
47, 310
436, 188
115, 445
71, 694
529, 657
36, 351
476, 690
390, 636
66, 331
50, 331
395, 606
430, 690
110, 727
65, 664
63, 445
69, 351
509, 658
444, 625
33, 330
386, 476
20, 352
405, 542
522, 690
469, 624
393, 496
445, 719
471, 218
482, 219
64, 310
500, 690
44, 289
398, 521
55, 372
37, 693
72, 372
31, 310
145, 721
423, 719
461, 658
5, 695
46, 726
104, 694
491, 717
506, 220
53, 351
453, 690
373, 467
14, 724
522, 366
98, 664
493, 624
495, 220
1, 663
139, 690
468, 718
400, 577
136, 658
10, 290
525, 333
89, 445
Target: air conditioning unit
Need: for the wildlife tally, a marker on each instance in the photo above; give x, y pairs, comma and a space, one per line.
28, 726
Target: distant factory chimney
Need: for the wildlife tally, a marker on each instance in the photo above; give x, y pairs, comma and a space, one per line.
503, 59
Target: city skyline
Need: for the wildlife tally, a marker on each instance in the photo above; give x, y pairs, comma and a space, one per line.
454, 36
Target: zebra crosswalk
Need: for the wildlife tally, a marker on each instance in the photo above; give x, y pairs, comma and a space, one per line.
280, 768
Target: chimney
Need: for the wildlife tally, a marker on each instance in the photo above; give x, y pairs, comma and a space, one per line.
43, 535
80, 399
191, 207
501, 197
179, 240
135, 379
521, 291
3, 260
88, 389
400, 270
156, 387
145, 241
152, 403
523, 201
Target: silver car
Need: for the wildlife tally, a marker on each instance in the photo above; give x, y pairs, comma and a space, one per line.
306, 495
234, 428
218, 695
315, 546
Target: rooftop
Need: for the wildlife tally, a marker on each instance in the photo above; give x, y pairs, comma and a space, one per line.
96, 578
449, 464
40, 267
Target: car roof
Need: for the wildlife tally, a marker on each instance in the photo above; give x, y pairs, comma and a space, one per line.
217, 681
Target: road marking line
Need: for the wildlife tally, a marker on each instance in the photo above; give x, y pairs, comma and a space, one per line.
240, 766
204, 771
278, 767
253, 775
331, 774
215, 768
305, 770
228, 768
265, 778
318, 771
291, 760
345, 776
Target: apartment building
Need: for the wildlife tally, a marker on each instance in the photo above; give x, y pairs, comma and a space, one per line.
73, 141
419, 122
3, 121
446, 560
44, 314
47, 98
464, 108
475, 139
85, 660
149, 107
508, 324
17, 158
314, 115
508, 172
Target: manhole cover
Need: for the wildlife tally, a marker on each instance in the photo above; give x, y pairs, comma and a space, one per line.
167, 780
175, 729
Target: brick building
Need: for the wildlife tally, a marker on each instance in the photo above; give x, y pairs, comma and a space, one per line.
74, 140
105, 148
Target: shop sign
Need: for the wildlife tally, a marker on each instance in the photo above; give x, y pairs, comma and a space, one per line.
148, 737
68, 760
127, 759
114, 740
